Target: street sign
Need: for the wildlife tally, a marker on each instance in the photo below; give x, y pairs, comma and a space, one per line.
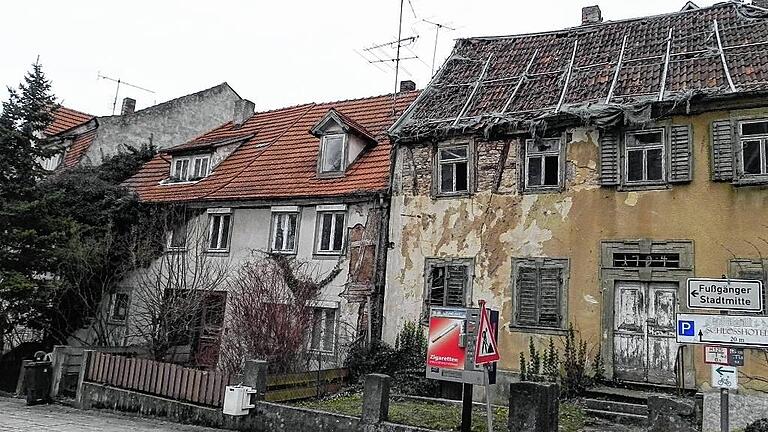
739, 331
723, 355
726, 377
486, 350
739, 295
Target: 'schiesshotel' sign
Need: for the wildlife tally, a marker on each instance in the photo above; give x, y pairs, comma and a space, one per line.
445, 348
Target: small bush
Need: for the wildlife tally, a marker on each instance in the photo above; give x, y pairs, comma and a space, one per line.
758, 426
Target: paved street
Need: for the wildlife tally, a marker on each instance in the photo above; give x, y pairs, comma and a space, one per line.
16, 416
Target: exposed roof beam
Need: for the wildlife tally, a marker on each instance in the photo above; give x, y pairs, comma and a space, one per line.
618, 69
522, 79
567, 76
722, 57
666, 67
474, 91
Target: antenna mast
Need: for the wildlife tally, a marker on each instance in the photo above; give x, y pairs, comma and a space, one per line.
117, 88
397, 56
438, 26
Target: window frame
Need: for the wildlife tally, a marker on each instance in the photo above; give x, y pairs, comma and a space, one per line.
324, 309
561, 165
190, 160
665, 154
319, 234
113, 305
738, 152
57, 157
540, 262
169, 243
213, 213
344, 155
430, 264
273, 231
437, 172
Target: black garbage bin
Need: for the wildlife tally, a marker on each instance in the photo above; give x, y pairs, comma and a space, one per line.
38, 381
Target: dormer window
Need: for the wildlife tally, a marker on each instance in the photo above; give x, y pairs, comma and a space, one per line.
190, 168
332, 154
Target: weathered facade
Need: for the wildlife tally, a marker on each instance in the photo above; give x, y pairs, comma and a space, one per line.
86, 139
307, 182
579, 177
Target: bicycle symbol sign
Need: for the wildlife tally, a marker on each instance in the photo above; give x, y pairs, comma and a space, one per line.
725, 377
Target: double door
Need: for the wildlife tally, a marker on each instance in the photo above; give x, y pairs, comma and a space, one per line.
645, 349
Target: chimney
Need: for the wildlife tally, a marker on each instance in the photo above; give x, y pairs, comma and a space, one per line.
591, 15
129, 106
407, 85
243, 111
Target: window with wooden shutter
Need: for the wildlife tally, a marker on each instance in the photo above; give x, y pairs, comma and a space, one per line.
680, 154
722, 150
448, 283
609, 158
540, 292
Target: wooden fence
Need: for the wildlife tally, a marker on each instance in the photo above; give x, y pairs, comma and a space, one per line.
303, 385
161, 379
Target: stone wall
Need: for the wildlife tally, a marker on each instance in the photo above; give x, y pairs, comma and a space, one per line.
745, 407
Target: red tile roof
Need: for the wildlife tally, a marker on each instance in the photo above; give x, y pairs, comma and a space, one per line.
519, 79
77, 149
280, 160
64, 119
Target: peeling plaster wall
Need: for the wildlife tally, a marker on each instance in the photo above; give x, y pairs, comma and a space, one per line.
722, 220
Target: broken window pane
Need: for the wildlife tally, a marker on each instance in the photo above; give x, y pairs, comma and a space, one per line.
461, 177
654, 164
551, 165
635, 165
437, 286
751, 155
534, 171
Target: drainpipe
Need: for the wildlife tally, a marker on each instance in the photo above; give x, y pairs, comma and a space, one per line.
376, 305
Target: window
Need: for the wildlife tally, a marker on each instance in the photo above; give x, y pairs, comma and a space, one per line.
453, 170
448, 283
540, 287
543, 164
323, 336
644, 157
119, 310
219, 230
754, 148
52, 162
178, 236
331, 230
190, 168
332, 154
284, 227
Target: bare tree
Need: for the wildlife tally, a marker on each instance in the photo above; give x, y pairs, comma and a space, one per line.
271, 313
169, 293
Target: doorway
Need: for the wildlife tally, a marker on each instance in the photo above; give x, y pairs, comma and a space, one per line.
645, 349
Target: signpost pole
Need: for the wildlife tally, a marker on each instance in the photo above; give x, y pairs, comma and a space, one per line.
488, 412
466, 408
724, 402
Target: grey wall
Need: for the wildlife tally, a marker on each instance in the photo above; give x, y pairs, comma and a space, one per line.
165, 125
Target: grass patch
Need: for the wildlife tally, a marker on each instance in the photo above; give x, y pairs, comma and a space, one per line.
439, 416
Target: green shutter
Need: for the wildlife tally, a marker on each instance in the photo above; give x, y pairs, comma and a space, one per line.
455, 286
722, 151
527, 295
680, 154
609, 158
550, 281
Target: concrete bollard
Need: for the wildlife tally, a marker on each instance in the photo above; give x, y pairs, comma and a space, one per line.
533, 407
255, 375
376, 398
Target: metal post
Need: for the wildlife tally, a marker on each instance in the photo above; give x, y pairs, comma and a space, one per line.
488, 411
319, 359
466, 408
724, 420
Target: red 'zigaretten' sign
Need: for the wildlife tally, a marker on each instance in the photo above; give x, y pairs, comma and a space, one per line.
486, 350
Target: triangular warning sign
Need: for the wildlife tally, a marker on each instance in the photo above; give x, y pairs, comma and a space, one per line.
486, 350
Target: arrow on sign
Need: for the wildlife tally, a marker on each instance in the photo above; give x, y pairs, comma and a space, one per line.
695, 293
722, 371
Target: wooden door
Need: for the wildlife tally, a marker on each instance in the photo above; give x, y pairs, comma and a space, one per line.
644, 332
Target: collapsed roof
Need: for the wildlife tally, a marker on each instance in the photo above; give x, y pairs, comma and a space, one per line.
601, 74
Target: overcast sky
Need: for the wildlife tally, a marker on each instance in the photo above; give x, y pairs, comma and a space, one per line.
275, 53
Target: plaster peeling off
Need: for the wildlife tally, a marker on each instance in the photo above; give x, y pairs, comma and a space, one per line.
592, 165
589, 299
564, 207
631, 199
527, 241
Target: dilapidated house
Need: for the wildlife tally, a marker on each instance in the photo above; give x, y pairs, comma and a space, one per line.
84, 139
308, 182
580, 176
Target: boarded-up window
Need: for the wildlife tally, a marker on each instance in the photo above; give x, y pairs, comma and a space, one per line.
448, 283
540, 287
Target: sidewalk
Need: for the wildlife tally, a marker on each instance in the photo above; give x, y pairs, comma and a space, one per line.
16, 416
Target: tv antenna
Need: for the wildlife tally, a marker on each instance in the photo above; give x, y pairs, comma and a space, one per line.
117, 88
438, 26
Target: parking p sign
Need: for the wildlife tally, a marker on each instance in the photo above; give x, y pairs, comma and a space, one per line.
686, 328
